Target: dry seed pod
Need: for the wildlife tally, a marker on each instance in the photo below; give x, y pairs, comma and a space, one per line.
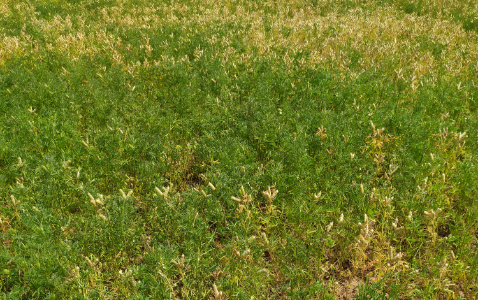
211, 186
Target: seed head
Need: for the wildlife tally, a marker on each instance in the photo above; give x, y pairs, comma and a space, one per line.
329, 227
211, 186
341, 218
317, 196
266, 240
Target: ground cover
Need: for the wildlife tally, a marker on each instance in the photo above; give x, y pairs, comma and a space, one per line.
238, 149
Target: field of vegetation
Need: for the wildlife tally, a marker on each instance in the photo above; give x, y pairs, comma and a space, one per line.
303, 149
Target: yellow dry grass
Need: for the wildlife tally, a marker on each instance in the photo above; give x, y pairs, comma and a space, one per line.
379, 36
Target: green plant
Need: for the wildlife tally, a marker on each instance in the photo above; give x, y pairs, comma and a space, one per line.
238, 150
